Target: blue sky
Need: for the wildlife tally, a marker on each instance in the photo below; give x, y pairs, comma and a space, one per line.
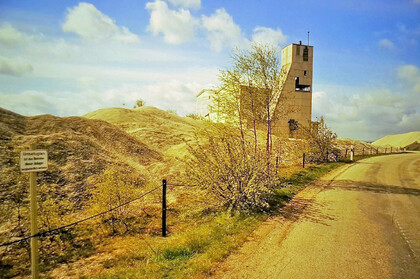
70, 57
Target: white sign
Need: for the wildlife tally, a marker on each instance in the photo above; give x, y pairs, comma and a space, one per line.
33, 160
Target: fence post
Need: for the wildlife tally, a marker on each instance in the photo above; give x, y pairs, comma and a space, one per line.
345, 156
377, 148
34, 223
363, 152
386, 149
391, 149
277, 163
371, 150
164, 207
351, 153
303, 160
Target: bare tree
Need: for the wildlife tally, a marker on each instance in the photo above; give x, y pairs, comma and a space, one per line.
321, 140
248, 88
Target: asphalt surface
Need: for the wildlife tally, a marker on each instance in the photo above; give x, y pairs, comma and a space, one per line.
360, 221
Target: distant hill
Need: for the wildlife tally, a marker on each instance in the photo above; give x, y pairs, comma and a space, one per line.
78, 148
398, 140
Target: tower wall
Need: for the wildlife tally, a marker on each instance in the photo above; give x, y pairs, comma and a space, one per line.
295, 102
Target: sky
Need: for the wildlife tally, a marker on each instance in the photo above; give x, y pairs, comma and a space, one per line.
69, 58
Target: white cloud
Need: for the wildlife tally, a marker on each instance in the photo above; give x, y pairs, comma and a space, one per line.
267, 35
10, 36
27, 103
371, 114
14, 67
188, 4
222, 31
415, 2
173, 94
89, 23
176, 26
411, 74
385, 43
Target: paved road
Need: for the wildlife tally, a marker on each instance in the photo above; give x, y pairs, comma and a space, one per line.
360, 221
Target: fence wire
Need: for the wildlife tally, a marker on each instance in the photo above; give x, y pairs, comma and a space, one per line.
56, 230
181, 185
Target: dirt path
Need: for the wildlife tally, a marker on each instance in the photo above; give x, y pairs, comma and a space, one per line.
360, 221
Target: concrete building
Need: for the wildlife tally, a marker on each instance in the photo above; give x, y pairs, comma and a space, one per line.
205, 103
292, 103
291, 100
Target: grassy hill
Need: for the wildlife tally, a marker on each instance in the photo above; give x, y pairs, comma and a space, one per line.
159, 129
398, 140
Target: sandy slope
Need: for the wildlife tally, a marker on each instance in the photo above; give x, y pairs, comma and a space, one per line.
398, 140
159, 129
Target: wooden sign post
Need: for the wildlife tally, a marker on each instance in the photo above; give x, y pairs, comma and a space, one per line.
34, 161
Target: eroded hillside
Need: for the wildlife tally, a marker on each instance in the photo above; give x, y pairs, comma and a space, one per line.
77, 148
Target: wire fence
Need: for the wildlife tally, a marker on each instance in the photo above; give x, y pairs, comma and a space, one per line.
59, 229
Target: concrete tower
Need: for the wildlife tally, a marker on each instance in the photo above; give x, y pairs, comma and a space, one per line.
293, 100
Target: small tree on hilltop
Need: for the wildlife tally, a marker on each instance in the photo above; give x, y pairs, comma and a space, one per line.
139, 103
321, 141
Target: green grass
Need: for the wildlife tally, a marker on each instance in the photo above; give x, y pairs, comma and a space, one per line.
191, 253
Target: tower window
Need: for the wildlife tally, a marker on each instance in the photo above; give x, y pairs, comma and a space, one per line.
301, 87
304, 73
305, 54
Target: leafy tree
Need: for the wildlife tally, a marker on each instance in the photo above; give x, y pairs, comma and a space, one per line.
139, 103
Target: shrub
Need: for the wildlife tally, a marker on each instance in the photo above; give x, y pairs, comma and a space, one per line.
116, 187
232, 170
321, 142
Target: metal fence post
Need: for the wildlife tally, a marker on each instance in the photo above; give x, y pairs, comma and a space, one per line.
164, 207
303, 160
